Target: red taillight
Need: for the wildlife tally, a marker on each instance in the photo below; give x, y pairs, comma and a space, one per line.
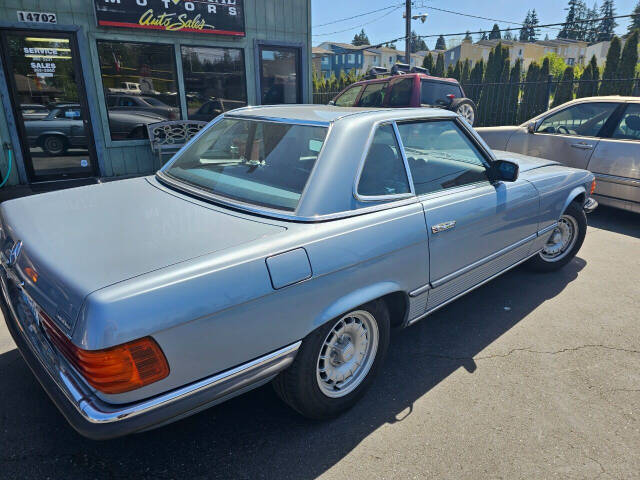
451, 96
593, 186
113, 370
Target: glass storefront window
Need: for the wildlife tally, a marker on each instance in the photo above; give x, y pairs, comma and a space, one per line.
279, 75
140, 86
214, 81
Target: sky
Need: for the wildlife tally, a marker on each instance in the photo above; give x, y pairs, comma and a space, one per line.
389, 24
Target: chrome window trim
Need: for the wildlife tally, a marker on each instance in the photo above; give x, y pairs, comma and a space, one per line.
290, 121
542, 117
363, 159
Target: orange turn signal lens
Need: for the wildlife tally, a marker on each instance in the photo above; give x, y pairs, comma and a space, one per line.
117, 369
32, 274
593, 186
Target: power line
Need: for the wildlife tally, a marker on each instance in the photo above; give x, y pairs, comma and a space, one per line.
356, 26
354, 16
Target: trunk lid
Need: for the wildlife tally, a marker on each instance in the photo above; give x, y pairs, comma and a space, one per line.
83, 239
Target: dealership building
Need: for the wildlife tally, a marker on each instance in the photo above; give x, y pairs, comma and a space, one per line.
80, 80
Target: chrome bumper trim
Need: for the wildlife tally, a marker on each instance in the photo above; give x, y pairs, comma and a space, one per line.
590, 205
91, 416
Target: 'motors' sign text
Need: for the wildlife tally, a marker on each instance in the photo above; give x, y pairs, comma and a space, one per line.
222, 17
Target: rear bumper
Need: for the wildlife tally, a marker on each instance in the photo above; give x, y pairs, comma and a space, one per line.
98, 420
590, 205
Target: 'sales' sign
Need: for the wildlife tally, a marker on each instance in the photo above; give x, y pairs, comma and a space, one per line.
222, 17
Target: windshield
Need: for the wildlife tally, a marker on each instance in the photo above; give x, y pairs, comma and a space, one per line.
259, 162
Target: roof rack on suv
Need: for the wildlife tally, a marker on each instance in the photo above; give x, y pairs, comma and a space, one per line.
397, 69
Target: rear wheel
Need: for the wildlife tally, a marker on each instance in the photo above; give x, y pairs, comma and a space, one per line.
336, 363
54, 145
564, 242
465, 108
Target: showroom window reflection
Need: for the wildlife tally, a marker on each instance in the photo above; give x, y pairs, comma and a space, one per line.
140, 86
214, 81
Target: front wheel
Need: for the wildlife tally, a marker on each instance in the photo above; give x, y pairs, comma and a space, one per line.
336, 363
54, 145
564, 242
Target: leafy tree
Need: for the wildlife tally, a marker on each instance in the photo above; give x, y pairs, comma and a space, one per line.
438, 71
467, 35
611, 68
428, 62
441, 44
635, 20
417, 43
607, 24
628, 62
564, 92
495, 33
360, 39
557, 65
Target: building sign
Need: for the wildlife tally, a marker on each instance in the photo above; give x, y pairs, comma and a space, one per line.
37, 17
221, 17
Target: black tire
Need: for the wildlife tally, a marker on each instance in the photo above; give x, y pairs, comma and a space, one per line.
298, 385
463, 105
541, 264
54, 145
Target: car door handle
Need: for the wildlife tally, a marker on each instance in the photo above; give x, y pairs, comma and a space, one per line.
441, 227
582, 146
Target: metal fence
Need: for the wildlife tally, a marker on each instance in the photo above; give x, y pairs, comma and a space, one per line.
509, 103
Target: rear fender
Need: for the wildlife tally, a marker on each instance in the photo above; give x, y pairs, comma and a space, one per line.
355, 299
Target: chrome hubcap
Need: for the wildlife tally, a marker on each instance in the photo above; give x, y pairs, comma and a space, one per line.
561, 240
347, 354
466, 112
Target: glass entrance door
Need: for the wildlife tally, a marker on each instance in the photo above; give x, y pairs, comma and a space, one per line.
47, 93
279, 75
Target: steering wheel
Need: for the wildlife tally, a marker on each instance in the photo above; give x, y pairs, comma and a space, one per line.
563, 129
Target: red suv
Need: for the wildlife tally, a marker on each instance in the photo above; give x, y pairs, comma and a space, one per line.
408, 90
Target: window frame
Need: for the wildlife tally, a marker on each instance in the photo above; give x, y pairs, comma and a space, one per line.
369, 143
486, 157
604, 132
110, 142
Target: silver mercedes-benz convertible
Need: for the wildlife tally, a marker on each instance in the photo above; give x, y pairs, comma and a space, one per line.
281, 243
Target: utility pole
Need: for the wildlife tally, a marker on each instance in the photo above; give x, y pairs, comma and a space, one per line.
407, 23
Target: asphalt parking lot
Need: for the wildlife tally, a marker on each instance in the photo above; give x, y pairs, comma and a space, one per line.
530, 376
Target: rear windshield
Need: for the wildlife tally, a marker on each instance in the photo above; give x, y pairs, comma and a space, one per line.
434, 93
257, 162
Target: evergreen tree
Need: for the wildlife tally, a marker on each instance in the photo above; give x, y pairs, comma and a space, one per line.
449, 73
467, 36
524, 31
585, 83
564, 92
595, 72
607, 24
428, 62
635, 20
484, 36
438, 71
457, 71
466, 72
526, 109
581, 23
608, 87
508, 35
628, 62
591, 26
441, 44
514, 92
495, 33
569, 28
489, 103
360, 39
533, 27
542, 96
475, 81
417, 43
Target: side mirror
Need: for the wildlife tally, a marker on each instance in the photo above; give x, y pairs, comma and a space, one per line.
531, 127
331, 102
505, 170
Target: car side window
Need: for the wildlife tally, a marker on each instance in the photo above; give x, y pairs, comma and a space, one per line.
373, 95
383, 172
348, 98
629, 126
583, 119
441, 156
435, 93
400, 95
